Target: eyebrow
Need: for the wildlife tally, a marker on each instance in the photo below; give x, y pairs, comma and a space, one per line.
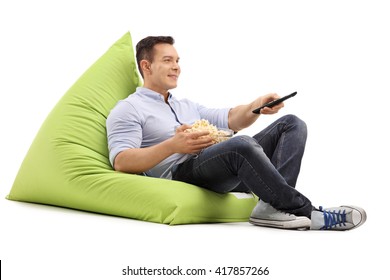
169, 56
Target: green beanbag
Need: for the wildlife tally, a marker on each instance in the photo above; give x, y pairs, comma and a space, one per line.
67, 164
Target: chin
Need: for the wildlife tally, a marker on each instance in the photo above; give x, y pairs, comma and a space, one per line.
172, 86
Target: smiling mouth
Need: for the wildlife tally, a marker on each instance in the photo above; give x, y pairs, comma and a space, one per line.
175, 77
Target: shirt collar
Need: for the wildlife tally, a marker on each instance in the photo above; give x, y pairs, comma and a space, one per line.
152, 94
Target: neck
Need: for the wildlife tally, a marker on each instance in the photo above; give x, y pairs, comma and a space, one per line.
164, 93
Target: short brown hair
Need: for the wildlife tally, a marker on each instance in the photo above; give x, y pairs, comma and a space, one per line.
144, 48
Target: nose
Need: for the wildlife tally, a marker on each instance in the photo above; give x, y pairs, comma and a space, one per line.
176, 66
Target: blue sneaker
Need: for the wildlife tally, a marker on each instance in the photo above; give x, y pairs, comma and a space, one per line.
337, 218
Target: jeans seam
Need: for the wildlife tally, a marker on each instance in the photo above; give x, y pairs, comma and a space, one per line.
272, 128
279, 154
249, 164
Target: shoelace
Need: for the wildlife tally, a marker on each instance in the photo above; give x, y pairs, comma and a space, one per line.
333, 218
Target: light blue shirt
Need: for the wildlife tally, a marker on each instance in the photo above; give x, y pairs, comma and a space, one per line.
144, 119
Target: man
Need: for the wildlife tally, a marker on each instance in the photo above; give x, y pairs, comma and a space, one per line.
147, 134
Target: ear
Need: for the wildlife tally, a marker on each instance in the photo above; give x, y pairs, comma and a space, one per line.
145, 66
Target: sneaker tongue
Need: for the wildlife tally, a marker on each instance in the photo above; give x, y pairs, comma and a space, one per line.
317, 220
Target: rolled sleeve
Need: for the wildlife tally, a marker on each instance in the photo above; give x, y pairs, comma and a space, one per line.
218, 117
124, 130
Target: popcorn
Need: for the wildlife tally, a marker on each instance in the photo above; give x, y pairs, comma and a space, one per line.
217, 135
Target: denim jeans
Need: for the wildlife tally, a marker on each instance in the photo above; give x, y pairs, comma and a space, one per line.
266, 164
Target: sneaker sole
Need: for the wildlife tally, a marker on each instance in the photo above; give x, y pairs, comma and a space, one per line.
302, 223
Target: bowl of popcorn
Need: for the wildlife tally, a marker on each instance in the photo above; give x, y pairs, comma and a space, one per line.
217, 134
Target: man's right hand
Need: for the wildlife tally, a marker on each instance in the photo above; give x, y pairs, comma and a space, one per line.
138, 160
190, 142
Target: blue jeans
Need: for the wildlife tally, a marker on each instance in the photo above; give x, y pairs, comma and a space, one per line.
266, 164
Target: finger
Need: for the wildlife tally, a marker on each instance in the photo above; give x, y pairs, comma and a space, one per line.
200, 147
278, 107
197, 134
182, 127
271, 97
268, 111
199, 141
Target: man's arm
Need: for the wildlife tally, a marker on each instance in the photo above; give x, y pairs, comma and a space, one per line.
138, 160
241, 116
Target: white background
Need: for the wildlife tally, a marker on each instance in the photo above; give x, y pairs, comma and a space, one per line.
334, 53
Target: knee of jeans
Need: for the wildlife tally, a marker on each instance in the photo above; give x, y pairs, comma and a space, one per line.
245, 145
293, 119
297, 122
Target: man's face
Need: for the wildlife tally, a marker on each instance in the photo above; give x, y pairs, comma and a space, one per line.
165, 69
